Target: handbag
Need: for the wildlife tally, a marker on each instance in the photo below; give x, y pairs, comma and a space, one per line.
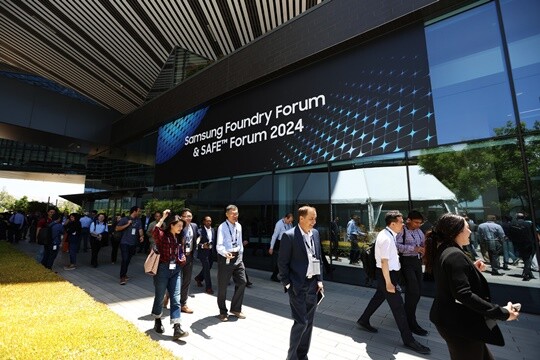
151, 263
104, 239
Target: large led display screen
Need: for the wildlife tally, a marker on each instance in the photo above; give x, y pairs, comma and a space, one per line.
370, 100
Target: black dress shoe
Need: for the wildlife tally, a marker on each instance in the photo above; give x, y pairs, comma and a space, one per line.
496, 273
419, 331
419, 348
274, 278
366, 326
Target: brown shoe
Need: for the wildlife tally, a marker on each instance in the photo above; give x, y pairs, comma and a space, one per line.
223, 317
238, 314
186, 310
210, 291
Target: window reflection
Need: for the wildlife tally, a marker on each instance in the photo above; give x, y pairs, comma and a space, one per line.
471, 94
522, 27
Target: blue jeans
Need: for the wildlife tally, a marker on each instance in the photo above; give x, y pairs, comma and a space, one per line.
508, 252
171, 281
127, 253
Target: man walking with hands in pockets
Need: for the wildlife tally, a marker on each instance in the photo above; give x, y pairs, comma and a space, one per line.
299, 265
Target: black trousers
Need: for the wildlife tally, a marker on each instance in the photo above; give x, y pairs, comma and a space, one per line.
274, 260
462, 348
411, 273
235, 269
394, 300
204, 274
95, 245
303, 306
354, 255
187, 271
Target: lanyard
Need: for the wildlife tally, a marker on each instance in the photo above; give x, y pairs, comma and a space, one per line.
312, 247
234, 240
171, 247
391, 234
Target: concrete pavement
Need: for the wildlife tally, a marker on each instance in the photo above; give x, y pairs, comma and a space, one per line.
264, 334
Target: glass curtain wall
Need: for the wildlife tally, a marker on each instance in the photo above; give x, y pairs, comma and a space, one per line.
485, 76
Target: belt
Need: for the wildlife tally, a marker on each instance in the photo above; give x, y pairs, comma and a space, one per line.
414, 256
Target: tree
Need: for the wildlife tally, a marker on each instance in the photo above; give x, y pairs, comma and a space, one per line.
6, 200
160, 205
491, 166
21, 204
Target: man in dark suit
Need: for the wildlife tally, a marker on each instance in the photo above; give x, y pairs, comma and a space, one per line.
190, 234
205, 253
299, 265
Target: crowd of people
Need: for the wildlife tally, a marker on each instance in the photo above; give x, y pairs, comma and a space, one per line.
453, 250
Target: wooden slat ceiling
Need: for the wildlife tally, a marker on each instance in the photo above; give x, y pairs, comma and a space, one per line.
112, 51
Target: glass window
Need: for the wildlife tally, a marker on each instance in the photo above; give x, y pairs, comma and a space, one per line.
471, 94
522, 26
361, 196
532, 150
483, 181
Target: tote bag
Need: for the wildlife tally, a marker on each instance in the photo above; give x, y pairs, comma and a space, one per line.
151, 263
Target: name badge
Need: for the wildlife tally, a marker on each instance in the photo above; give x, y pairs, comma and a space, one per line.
133, 231
172, 265
315, 267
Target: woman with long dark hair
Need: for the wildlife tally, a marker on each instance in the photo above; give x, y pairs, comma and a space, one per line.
73, 229
168, 243
462, 310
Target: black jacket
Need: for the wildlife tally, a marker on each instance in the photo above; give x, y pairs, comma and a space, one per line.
293, 259
462, 304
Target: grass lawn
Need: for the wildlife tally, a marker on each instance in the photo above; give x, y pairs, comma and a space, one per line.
42, 316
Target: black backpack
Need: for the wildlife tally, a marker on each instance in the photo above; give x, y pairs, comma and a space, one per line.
369, 263
519, 233
44, 236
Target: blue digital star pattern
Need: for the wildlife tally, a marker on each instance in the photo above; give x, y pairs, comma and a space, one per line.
171, 135
383, 110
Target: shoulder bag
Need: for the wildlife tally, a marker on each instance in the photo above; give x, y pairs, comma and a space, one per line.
151, 263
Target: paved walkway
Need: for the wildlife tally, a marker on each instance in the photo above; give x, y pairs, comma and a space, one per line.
264, 333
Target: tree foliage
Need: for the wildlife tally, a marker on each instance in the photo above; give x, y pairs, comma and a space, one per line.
159, 205
6, 200
494, 165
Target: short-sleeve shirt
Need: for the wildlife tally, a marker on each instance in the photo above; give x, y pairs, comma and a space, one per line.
130, 235
385, 248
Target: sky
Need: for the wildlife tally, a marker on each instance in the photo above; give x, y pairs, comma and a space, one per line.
39, 187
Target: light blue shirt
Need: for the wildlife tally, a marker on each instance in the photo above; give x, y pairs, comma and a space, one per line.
86, 221
490, 231
279, 229
229, 238
352, 229
98, 228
